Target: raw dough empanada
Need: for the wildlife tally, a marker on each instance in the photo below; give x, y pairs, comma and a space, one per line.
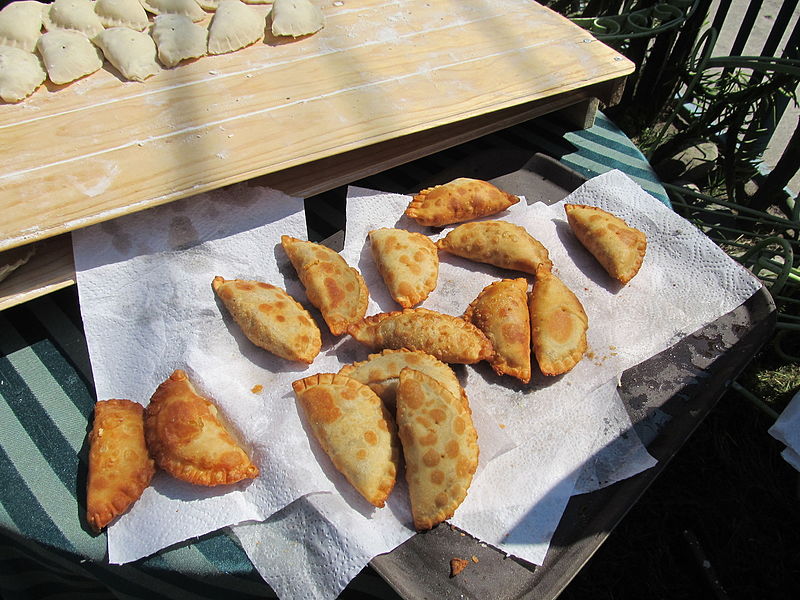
177, 38
408, 263
20, 73
354, 429
68, 55
209, 5
122, 13
448, 338
187, 438
271, 318
234, 26
497, 243
334, 287
617, 246
558, 324
381, 372
440, 446
132, 52
21, 24
76, 15
188, 8
296, 18
459, 200
501, 312
120, 467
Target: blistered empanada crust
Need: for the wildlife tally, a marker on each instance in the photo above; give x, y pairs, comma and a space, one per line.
354, 429
120, 467
408, 263
440, 446
501, 312
271, 318
448, 338
617, 246
558, 324
459, 200
334, 287
187, 439
497, 243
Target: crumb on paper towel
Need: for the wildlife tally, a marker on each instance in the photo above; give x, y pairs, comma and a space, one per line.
475, 559
257, 389
457, 565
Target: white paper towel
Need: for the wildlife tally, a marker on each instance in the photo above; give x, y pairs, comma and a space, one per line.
786, 429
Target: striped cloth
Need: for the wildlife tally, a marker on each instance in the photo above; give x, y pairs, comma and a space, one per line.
46, 400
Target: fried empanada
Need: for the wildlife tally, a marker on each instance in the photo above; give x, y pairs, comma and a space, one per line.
459, 200
558, 324
120, 468
354, 429
187, 439
617, 246
408, 263
334, 287
501, 312
448, 338
440, 446
271, 318
381, 372
497, 243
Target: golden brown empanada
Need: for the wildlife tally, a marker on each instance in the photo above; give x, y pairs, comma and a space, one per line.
120, 468
501, 312
334, 287
459, 200
187, 438
617, 246
450, 339
381, 372
497, 243
408, 263
558, 324
440, 446
271, 318
356, 431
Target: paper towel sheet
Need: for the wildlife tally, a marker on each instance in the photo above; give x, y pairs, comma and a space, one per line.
786, 429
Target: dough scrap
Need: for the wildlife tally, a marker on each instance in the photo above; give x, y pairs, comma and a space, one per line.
440, 446
497, 243
21, 73
178, 38
68, 55
132, 52
122, 13
187, 438
459, 200
296, 18
501, 312
120, 467
77, 15
354, 429
188, 8
21, 24
408, 263
234, 26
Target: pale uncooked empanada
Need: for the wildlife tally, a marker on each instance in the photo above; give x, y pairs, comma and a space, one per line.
188, 8
20, 73
459, 200
408, 263
178, 38
122, 13
296, 17
501, 312
271, 318
77, 15
209, 5
21, 24
234, 26
497, 243
334, 287
381, 372
132, 52
68, 55
354, 429
187, 439
440, 446
120, 467
617, 246
558, 324
448, 338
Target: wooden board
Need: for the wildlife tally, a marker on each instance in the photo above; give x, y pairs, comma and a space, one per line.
380, 70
